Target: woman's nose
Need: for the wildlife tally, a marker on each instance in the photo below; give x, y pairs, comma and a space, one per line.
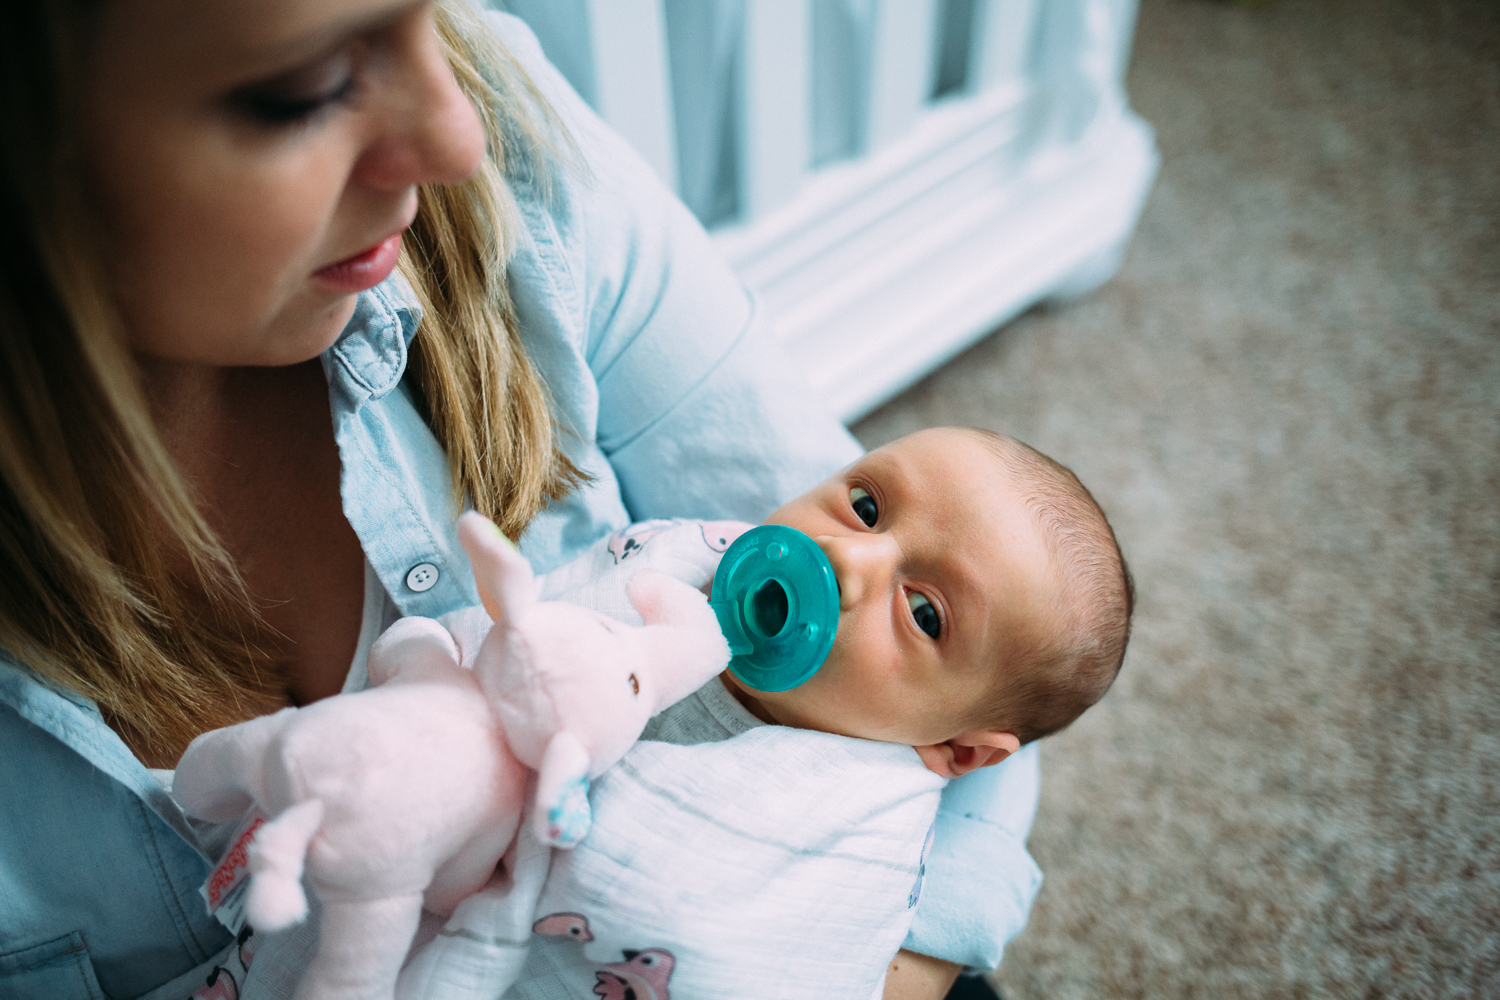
863, 564
431, 134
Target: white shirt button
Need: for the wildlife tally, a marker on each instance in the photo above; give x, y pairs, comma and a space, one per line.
421, 578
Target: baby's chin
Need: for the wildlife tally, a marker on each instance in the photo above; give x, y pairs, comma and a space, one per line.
747, 697
778, 708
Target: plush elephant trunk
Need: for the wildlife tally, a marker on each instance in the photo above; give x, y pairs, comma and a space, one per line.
682, 633
572, 687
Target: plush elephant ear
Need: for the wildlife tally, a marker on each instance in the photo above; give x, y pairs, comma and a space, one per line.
503, 575
562, 814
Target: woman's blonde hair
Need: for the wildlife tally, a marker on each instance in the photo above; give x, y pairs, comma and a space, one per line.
92, 507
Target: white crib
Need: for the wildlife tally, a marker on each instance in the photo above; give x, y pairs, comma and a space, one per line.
894, 178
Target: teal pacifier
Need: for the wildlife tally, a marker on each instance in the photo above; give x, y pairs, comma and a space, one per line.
778, 605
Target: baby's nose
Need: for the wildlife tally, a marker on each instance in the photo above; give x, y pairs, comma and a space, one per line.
862, 564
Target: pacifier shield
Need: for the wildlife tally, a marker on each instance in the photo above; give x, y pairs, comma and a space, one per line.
777, 601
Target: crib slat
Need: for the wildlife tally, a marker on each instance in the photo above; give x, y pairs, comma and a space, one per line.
562, 27
902, 39
632, 78
1000, 43
774, 106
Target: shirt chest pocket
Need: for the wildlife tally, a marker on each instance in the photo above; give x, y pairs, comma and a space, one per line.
59, 969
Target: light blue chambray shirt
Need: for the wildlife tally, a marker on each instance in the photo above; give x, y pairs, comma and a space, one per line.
672, 397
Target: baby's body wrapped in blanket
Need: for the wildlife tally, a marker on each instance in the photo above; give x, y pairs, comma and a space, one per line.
726, 858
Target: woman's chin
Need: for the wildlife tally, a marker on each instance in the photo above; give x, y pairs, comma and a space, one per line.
296, 339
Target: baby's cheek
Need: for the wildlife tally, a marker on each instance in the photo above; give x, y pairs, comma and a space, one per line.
855, 675
859, 654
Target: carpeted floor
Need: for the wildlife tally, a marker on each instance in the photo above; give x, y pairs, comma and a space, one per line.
1289, 403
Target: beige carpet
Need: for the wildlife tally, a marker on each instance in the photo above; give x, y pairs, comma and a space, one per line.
1289, 403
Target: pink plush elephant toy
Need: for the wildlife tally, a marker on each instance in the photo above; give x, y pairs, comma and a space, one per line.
405, 795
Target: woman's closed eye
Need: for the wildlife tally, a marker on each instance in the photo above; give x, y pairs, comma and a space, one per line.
864, 506
298, 96
924, 614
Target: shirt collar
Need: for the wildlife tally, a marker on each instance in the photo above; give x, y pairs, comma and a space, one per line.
372, 350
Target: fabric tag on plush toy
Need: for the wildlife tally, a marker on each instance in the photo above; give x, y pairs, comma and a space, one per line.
227, 884
569, 817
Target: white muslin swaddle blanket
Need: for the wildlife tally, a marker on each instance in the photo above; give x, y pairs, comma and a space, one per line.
775, 863
779, 863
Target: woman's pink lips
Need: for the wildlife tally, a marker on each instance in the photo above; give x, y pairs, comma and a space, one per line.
363, 270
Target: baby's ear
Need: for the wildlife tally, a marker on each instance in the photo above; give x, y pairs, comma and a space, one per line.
968, 752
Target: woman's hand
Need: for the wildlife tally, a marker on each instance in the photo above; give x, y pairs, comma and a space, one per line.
919, 977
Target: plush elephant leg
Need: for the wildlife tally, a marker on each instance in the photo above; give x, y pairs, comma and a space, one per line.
361, 947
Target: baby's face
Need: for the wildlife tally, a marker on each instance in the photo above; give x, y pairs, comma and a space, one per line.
942, 571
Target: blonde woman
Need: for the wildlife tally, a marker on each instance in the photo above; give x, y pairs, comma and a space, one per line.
285, 284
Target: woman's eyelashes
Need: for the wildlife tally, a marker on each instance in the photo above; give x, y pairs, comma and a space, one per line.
298, 96
864, 506
924, 614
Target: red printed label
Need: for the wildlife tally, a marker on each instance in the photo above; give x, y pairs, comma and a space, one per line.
234, 866
224, 889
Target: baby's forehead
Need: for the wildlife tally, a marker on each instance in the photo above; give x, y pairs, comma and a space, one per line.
952, 452
954, 481
1000, 518
991, 484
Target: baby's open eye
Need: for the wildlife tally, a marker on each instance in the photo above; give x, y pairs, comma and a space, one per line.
864, 506
924, 614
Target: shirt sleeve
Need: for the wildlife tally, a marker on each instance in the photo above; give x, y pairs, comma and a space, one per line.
980, 880
696, 408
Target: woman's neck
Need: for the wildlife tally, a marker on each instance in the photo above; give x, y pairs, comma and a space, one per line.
256, 447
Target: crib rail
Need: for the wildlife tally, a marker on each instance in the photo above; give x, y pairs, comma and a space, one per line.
894, 178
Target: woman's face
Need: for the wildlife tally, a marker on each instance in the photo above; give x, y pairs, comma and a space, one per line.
254, 162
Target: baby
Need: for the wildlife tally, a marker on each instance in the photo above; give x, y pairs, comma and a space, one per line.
983, 600
746, 845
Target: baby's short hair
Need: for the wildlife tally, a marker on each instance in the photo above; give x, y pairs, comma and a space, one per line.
1061, 671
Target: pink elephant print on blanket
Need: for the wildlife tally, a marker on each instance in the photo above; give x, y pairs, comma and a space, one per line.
642, 976
573, 925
